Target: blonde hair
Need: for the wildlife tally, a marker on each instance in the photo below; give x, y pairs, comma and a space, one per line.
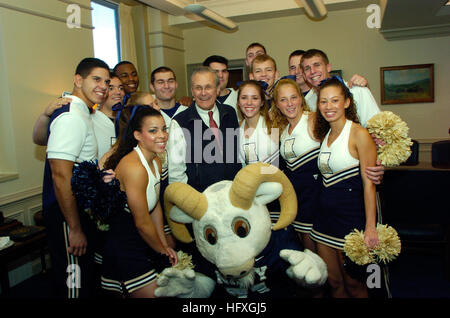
261, 59
137, 98
278, 119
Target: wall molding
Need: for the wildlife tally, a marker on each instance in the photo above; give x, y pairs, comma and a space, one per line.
429, 140
42, 15
18, 215
166, 33
19, 196
8, 176
165, 47
415, 32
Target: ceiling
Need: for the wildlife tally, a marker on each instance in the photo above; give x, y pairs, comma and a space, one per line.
405, 19
401, 19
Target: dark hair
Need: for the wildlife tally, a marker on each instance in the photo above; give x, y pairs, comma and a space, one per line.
252, 45
119, 64
86, 66
297, 53
126, 140
161, 69
322, 126
215, 59
314, 52
264, 110
113, 75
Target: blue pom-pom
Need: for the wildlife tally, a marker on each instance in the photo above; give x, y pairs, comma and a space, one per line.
84, 183
109, 200
92, 194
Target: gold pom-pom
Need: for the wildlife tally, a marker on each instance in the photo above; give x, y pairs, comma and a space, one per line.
184, 261
355, 248
390, 245
391, 136
388, 249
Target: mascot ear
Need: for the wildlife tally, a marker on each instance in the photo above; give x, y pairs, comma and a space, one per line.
268, 192
179, 216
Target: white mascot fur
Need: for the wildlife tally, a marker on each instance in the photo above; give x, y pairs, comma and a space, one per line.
232, 226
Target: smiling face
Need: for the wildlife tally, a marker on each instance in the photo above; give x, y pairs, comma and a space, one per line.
316, 70
296, 69
289, 101
153, 134
128, 75
164, 86
204, 89
332, 103
94, 88
264, 71
115, 93
250, 100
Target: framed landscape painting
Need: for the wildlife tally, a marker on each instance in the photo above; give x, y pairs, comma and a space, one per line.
407, 84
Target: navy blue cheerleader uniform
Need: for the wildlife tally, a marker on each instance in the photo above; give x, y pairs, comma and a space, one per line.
128, 261
342, 198
300, 153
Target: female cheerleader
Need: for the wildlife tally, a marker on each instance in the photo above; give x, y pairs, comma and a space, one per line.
258, 142
135, 241
299, 150
348, 197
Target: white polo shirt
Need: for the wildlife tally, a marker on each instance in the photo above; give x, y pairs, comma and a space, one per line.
105, 132
72, 134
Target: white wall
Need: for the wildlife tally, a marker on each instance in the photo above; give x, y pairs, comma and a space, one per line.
38, 57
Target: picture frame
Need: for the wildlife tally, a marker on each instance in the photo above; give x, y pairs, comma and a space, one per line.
407, 84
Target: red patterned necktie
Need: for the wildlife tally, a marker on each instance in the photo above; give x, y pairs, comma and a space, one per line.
215, 129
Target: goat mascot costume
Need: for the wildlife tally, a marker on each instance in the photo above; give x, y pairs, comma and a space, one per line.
244, 255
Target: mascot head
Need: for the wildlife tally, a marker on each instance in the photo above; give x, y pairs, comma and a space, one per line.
230, 219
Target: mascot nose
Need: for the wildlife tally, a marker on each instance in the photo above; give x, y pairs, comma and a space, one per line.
237, 271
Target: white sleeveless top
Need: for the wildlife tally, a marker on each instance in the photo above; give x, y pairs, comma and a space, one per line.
259, 147
298, 147
153, 185
336, 159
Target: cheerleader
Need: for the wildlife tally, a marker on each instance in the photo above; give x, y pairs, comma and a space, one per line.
135, 241
258, 141
300, 150
348, 197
